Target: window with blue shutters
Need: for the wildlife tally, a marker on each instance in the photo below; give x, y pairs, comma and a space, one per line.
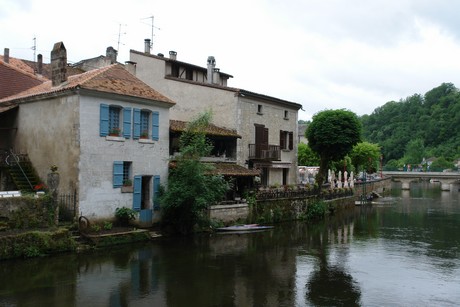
122, 173
145, 125
104, 120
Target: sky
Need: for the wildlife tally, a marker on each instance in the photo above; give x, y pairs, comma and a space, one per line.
323, 54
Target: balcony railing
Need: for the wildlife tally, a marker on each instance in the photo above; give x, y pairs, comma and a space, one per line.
264, 152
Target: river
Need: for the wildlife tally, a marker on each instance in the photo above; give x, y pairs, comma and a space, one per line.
400, 253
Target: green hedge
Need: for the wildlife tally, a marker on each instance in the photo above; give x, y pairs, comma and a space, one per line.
36, 243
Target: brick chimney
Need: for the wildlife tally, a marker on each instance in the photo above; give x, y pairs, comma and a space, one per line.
6, 55
40, 64
147, 45
111, 54
173, 55
58, 64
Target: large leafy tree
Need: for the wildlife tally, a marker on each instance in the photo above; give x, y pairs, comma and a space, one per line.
332, 134
191, 187
365, 156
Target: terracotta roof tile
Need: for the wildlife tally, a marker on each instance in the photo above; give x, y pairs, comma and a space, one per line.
14, 80
110, 79
180, 126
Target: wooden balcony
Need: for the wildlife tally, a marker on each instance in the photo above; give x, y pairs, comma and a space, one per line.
264, 152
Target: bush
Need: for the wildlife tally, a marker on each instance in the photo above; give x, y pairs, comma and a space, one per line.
125, 215
316, 210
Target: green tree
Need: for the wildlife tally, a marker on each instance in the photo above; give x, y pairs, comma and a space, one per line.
332, 134
365, 155
306, 156
441, 164
191, 188
415, 151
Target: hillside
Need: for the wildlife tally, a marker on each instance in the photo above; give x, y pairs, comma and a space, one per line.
421, 125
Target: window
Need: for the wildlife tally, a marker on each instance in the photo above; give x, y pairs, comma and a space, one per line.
286, 114
145, 116
259, 109
115, 121
114, 118
286, 140
144, 127
122, 173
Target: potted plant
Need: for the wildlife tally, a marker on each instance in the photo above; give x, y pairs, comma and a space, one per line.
145, 134
115, 132
127, 186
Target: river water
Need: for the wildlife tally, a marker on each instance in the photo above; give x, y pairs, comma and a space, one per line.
400, 253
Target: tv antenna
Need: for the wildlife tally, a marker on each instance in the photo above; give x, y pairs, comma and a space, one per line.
152, 27
34, 47
119, 36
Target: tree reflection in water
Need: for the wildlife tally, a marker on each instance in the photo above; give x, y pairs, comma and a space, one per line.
330, 284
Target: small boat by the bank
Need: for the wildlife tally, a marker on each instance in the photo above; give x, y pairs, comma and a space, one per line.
244, 228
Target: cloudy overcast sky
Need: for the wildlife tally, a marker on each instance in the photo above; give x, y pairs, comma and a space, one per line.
323, 54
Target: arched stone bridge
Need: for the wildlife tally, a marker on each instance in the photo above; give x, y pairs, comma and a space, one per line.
449, 180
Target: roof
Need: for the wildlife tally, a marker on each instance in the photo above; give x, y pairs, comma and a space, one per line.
114, 79
196, 67
30, 67
15, 80
232, 169
180, 126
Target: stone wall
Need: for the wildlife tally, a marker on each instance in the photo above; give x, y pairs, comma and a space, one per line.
229, 213
26, 212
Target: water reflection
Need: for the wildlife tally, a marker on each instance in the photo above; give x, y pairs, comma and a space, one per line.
401, 253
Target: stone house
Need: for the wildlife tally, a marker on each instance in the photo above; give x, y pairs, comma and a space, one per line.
267, 126
106, 131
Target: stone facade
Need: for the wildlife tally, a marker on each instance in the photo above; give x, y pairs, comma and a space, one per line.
189, 86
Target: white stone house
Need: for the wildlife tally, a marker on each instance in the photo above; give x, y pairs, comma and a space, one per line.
69, 122
267, 125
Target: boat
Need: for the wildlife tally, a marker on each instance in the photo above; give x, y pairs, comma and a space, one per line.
244, 228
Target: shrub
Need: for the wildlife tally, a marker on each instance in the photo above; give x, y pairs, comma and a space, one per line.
125, 215
316, 210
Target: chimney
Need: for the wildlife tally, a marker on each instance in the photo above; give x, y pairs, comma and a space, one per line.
6, 55
173, 55
131, 67
111, 54
216, 75
147, 45
211, 66
58, 64
39, 64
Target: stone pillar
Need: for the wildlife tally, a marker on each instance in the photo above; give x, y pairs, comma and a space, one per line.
406, 184
53, 184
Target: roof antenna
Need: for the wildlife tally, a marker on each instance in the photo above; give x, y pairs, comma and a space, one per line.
119, 36
153, 27
34, 47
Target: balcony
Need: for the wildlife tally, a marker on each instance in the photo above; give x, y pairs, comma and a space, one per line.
264, 152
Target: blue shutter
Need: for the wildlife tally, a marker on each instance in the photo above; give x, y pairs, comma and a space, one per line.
156, 192
104, 120
127, 123
155, 126
117, 174
137, 193
137, 123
